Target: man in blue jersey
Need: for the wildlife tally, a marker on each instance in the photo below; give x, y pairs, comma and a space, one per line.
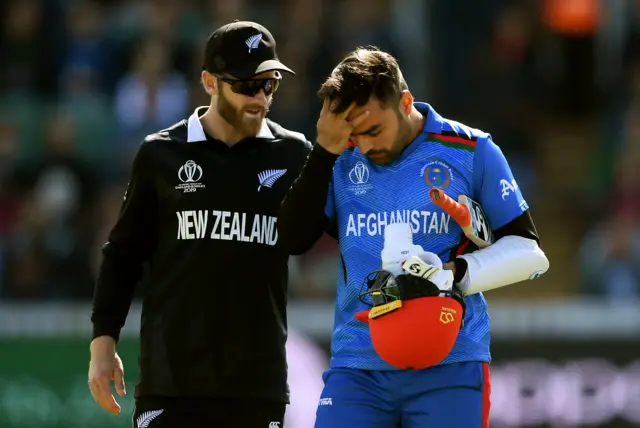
378, 154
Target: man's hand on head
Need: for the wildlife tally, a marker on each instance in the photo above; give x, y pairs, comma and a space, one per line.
334, 130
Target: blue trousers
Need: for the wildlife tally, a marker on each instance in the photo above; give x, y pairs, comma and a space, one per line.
447, 396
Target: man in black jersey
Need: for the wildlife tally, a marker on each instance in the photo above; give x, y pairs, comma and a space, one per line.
200, 210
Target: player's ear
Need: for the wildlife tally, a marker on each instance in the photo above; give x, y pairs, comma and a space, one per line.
406, 102
209, 83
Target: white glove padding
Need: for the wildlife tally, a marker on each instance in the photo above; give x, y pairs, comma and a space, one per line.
431, 259
398, 247
429, 266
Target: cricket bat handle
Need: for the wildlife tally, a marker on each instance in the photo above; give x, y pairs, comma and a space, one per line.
474, 224
458, 212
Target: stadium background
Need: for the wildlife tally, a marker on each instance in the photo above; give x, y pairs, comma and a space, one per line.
557, 83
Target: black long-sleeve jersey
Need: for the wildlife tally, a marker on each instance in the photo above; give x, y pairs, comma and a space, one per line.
203, 217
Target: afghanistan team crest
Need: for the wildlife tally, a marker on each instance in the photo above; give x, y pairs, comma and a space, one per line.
437, 174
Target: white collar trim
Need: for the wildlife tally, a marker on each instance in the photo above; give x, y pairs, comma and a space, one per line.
195, 132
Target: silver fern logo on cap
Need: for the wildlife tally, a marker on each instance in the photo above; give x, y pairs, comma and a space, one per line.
253, 41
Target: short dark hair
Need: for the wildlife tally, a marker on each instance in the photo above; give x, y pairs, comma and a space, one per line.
363, 73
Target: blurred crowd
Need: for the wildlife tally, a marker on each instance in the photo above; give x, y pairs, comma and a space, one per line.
609, 256
83, 81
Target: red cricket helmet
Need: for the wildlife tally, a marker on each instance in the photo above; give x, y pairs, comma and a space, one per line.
413, 324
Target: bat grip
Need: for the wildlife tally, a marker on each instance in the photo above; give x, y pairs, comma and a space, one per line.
457, 211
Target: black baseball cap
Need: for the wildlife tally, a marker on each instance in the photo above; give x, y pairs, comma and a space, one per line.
242, 49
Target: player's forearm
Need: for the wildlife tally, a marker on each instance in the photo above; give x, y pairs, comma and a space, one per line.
515, 256
131, 243
114, 292
302, 218
509, 260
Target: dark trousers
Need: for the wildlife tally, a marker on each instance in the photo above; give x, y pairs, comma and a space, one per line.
169, 412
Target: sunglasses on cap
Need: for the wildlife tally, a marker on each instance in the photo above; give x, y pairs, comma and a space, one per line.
252, 87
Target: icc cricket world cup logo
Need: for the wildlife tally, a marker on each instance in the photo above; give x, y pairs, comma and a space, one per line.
190, 172
359, 174
359, 177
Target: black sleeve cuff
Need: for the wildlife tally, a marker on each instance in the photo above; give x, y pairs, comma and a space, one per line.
321, 160
105, 330
461, 269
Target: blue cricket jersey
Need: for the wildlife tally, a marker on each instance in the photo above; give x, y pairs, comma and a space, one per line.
364, 197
